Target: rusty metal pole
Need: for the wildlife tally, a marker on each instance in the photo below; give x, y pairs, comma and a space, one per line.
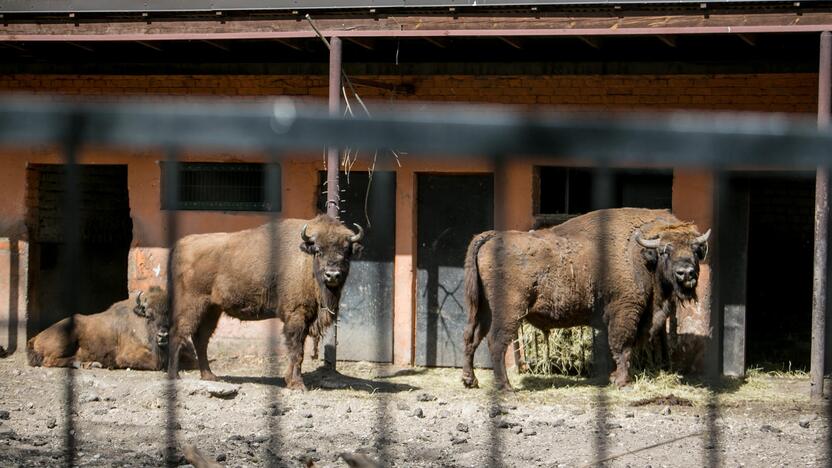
821, 227
332, 188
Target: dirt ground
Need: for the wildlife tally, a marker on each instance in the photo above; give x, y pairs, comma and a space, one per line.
408, 417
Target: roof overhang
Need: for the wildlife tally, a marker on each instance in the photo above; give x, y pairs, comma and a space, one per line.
184, 6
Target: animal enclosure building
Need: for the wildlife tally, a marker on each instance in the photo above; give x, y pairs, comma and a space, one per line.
403, 300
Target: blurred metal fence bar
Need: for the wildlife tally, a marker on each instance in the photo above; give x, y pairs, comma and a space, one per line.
170, 193
71, 226
678, 139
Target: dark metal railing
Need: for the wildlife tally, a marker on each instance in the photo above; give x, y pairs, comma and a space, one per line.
719, 142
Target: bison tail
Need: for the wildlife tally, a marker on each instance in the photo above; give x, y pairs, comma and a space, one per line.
34, 357
472, 272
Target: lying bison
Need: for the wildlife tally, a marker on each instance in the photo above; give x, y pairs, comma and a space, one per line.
230, 273
132, 333
552, 278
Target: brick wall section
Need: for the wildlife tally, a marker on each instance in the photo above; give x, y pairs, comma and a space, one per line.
793, 93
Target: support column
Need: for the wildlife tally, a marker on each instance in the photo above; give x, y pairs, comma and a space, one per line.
821, 228
332, 188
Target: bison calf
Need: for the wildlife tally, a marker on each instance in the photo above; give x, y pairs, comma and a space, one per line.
622, 270
231, 273
132, 333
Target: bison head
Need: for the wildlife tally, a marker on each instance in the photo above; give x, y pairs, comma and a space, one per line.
675, 255
153, 307
332, 246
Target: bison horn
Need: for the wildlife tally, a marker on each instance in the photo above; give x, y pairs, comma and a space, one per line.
139, 298
303, 234
703, 238
360, 235
647, 243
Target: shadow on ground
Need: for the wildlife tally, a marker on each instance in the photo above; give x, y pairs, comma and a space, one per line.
325, 379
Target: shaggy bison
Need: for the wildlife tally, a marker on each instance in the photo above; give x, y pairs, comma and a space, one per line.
553, 278
131, 333
230, 273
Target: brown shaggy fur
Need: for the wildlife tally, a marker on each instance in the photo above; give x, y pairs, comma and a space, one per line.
125, 335
552, 279
229, 273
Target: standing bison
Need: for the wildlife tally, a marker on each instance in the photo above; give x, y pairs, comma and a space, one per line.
131, 333
231, 273
554, 278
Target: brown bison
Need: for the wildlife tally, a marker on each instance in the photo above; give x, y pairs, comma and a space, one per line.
131, 333
553, 279
230, 273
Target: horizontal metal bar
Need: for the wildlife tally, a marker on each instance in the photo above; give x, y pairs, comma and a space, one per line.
542, 32
127, 6
676, 139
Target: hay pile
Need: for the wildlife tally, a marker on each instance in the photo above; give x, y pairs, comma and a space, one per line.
568, 351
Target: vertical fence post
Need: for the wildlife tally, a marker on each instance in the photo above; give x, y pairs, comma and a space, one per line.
821, 228
332, 188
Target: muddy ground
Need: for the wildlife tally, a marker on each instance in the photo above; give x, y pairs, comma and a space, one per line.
407, 417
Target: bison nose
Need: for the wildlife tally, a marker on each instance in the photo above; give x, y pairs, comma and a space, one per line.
332, 276
685, 273
162, 338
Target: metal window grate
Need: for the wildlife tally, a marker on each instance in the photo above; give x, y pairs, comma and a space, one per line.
222, 187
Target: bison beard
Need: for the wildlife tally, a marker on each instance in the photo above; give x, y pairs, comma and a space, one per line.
552, 279
230, 273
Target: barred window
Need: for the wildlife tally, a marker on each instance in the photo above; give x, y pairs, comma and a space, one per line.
223, 187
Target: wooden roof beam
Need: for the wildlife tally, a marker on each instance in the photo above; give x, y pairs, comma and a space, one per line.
368, 44
513, 41
79, 46
289, 44
591, 41
438, 42
217, 45
149, 46
749, 39
670, 41
16, 47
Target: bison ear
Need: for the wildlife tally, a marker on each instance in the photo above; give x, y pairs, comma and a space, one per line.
651, 257
357, 248
701, 250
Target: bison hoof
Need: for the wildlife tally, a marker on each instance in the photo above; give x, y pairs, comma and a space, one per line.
504, 387
296, 385
209, 376
620, 381
470, 381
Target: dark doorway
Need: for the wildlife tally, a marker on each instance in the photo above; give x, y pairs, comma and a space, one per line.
106, 233
451, 209
780, 253
365, 319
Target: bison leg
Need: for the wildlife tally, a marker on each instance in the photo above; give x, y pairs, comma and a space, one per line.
621, 334
173, 357
475, 331
137, 357
498, 341
294, 332
201, 338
